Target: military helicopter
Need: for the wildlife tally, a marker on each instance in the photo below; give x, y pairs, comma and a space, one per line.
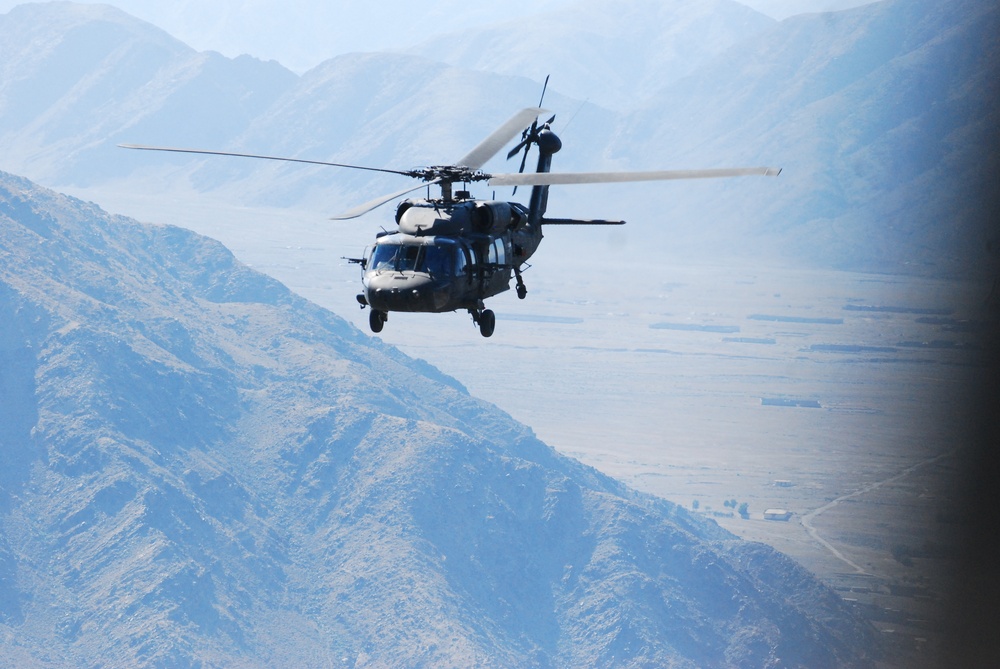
454, 252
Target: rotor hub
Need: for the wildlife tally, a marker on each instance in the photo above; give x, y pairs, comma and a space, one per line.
448, 173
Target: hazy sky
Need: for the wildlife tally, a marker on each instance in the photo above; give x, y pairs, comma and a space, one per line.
303, 33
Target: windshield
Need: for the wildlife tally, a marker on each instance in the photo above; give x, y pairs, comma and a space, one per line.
412, 258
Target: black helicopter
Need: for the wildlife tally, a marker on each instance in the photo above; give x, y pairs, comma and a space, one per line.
454, 252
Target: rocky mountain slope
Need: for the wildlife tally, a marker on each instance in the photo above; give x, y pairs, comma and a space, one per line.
200, 467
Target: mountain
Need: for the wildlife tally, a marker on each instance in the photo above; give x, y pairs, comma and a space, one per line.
379, 109
201, 468
82, 78
883, 118
613, 53
78, 78
880, 116
302, 33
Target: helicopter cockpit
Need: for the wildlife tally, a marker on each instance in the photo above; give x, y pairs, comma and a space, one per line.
441, 258
406, 273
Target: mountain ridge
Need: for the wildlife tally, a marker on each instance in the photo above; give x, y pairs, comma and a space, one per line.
640, 47
103, 73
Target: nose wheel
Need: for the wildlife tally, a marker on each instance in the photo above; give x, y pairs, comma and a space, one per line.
377, 319
486, 320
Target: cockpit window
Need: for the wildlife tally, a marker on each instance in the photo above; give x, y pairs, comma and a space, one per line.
385, 257
409, 258
438, 259
414, 258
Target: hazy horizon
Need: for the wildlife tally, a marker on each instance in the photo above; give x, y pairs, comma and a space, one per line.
300, 39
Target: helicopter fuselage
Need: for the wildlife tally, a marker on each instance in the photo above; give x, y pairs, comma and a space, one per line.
447, 255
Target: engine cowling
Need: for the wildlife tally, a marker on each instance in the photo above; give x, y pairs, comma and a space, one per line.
494, 217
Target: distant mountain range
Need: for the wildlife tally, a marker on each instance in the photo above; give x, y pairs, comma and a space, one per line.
197, 467
881, 116
614, 54
302, 33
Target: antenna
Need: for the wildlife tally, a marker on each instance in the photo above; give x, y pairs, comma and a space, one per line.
578, 110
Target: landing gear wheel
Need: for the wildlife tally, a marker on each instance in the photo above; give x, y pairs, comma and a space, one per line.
522, 290
376, 319
487, 323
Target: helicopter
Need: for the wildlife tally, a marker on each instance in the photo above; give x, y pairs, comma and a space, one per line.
454, 252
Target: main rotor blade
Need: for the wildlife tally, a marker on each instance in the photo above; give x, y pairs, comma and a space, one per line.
378, 202
498, 139
207, 152
560, 178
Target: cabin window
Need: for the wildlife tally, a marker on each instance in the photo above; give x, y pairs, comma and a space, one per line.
496, 253
501, 251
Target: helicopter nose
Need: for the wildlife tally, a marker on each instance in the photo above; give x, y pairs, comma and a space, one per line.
398, 291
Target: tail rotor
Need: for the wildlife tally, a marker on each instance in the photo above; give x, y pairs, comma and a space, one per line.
530, 135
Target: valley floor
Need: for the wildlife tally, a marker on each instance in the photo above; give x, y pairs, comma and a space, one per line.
837, 397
